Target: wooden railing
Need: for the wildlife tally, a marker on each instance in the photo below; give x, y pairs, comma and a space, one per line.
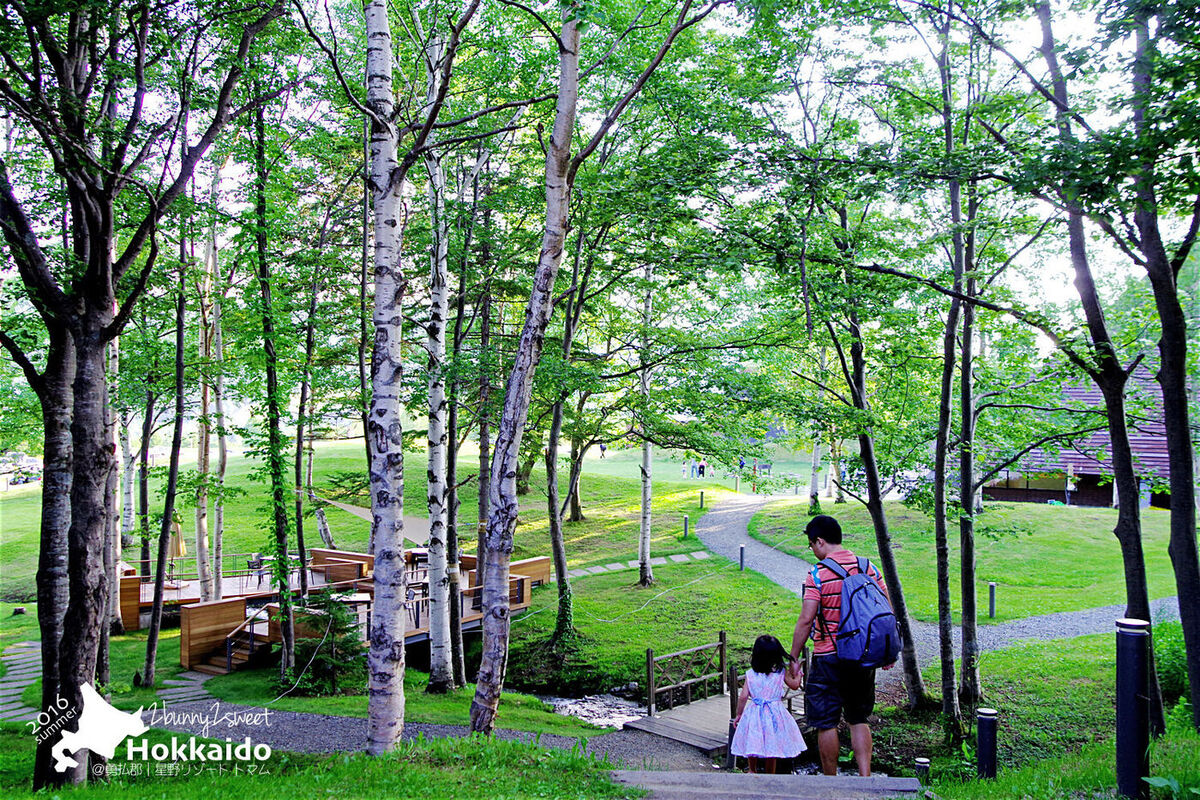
676, 673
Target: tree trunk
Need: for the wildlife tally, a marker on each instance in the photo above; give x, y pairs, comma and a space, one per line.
385, 658
441, 672
971, 692
203, 428
1111, 378
128, 460
857, 379
1172, 368
144, 483
645, 571
950, 701
57, 401
485, 416
950, 706
274, 421
218, 346
304, 417
164, 532
503, 495
814, 478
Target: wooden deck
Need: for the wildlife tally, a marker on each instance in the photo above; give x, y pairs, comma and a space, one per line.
703, 724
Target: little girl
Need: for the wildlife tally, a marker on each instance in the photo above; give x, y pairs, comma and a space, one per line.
765, 729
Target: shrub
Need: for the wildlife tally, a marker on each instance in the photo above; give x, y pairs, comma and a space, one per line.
334, 662
1171, 660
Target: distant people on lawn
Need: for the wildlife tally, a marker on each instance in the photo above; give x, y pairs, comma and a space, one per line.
703, 466
833, 687
693, 466
603, 449
763, 727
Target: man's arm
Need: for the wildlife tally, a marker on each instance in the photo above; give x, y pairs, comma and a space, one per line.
808, 613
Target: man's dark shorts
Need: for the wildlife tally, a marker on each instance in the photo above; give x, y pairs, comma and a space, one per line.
835, 686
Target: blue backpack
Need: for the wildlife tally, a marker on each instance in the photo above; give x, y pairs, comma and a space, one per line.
867, 634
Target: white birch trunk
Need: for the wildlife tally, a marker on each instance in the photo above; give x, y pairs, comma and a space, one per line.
441, 672
645, 571
814, 476
203, 425
503, 497
218, 397
385, 658
128, 458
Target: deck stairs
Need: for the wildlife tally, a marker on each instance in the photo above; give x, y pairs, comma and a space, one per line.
744, 786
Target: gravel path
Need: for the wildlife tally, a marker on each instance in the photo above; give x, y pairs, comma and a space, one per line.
724, 529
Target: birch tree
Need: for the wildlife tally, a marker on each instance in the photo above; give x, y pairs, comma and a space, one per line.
561, 169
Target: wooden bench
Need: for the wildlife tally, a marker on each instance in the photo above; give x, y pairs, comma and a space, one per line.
537, 569
323, 559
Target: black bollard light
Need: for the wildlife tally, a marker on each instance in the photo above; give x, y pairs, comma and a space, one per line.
985, 741
921, 768
702, 498
685, 525
741, 557
992, 599
1133, 707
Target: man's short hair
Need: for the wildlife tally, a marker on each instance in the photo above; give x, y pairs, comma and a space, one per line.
823, 526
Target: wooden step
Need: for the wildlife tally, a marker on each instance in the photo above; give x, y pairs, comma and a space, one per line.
210, 669
744, 786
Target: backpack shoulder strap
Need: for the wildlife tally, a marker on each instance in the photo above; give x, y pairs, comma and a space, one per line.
864, 566
816, 576
834, 567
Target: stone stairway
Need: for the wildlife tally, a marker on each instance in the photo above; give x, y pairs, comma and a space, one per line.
745, 786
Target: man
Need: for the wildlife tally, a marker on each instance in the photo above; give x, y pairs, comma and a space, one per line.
834, 686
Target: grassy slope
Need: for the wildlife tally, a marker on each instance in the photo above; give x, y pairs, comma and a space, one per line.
1056, 702
688, 605
1042, 558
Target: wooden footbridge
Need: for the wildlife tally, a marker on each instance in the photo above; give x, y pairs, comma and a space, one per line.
699, 691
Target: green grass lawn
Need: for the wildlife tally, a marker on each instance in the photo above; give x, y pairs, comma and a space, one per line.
1043, 558
474, 767
688, 605
1056, 728
609, 490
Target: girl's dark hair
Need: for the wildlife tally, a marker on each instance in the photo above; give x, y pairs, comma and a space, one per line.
768, 655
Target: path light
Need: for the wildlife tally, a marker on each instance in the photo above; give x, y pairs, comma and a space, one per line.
685, 526
1133, 706
985, 740
742, 557
992, 599
921, 767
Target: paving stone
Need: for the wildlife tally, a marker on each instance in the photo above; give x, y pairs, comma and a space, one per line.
679, 558
614, 567
594, 570
576, 573
194, 676
658, 562
634, 564
700, 556
178, 682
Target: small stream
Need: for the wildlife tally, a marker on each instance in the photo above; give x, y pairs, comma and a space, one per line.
605, 710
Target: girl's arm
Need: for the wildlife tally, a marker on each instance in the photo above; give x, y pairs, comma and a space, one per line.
742, 698
791, 678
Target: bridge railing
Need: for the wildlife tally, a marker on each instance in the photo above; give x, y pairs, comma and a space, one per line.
676, 674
